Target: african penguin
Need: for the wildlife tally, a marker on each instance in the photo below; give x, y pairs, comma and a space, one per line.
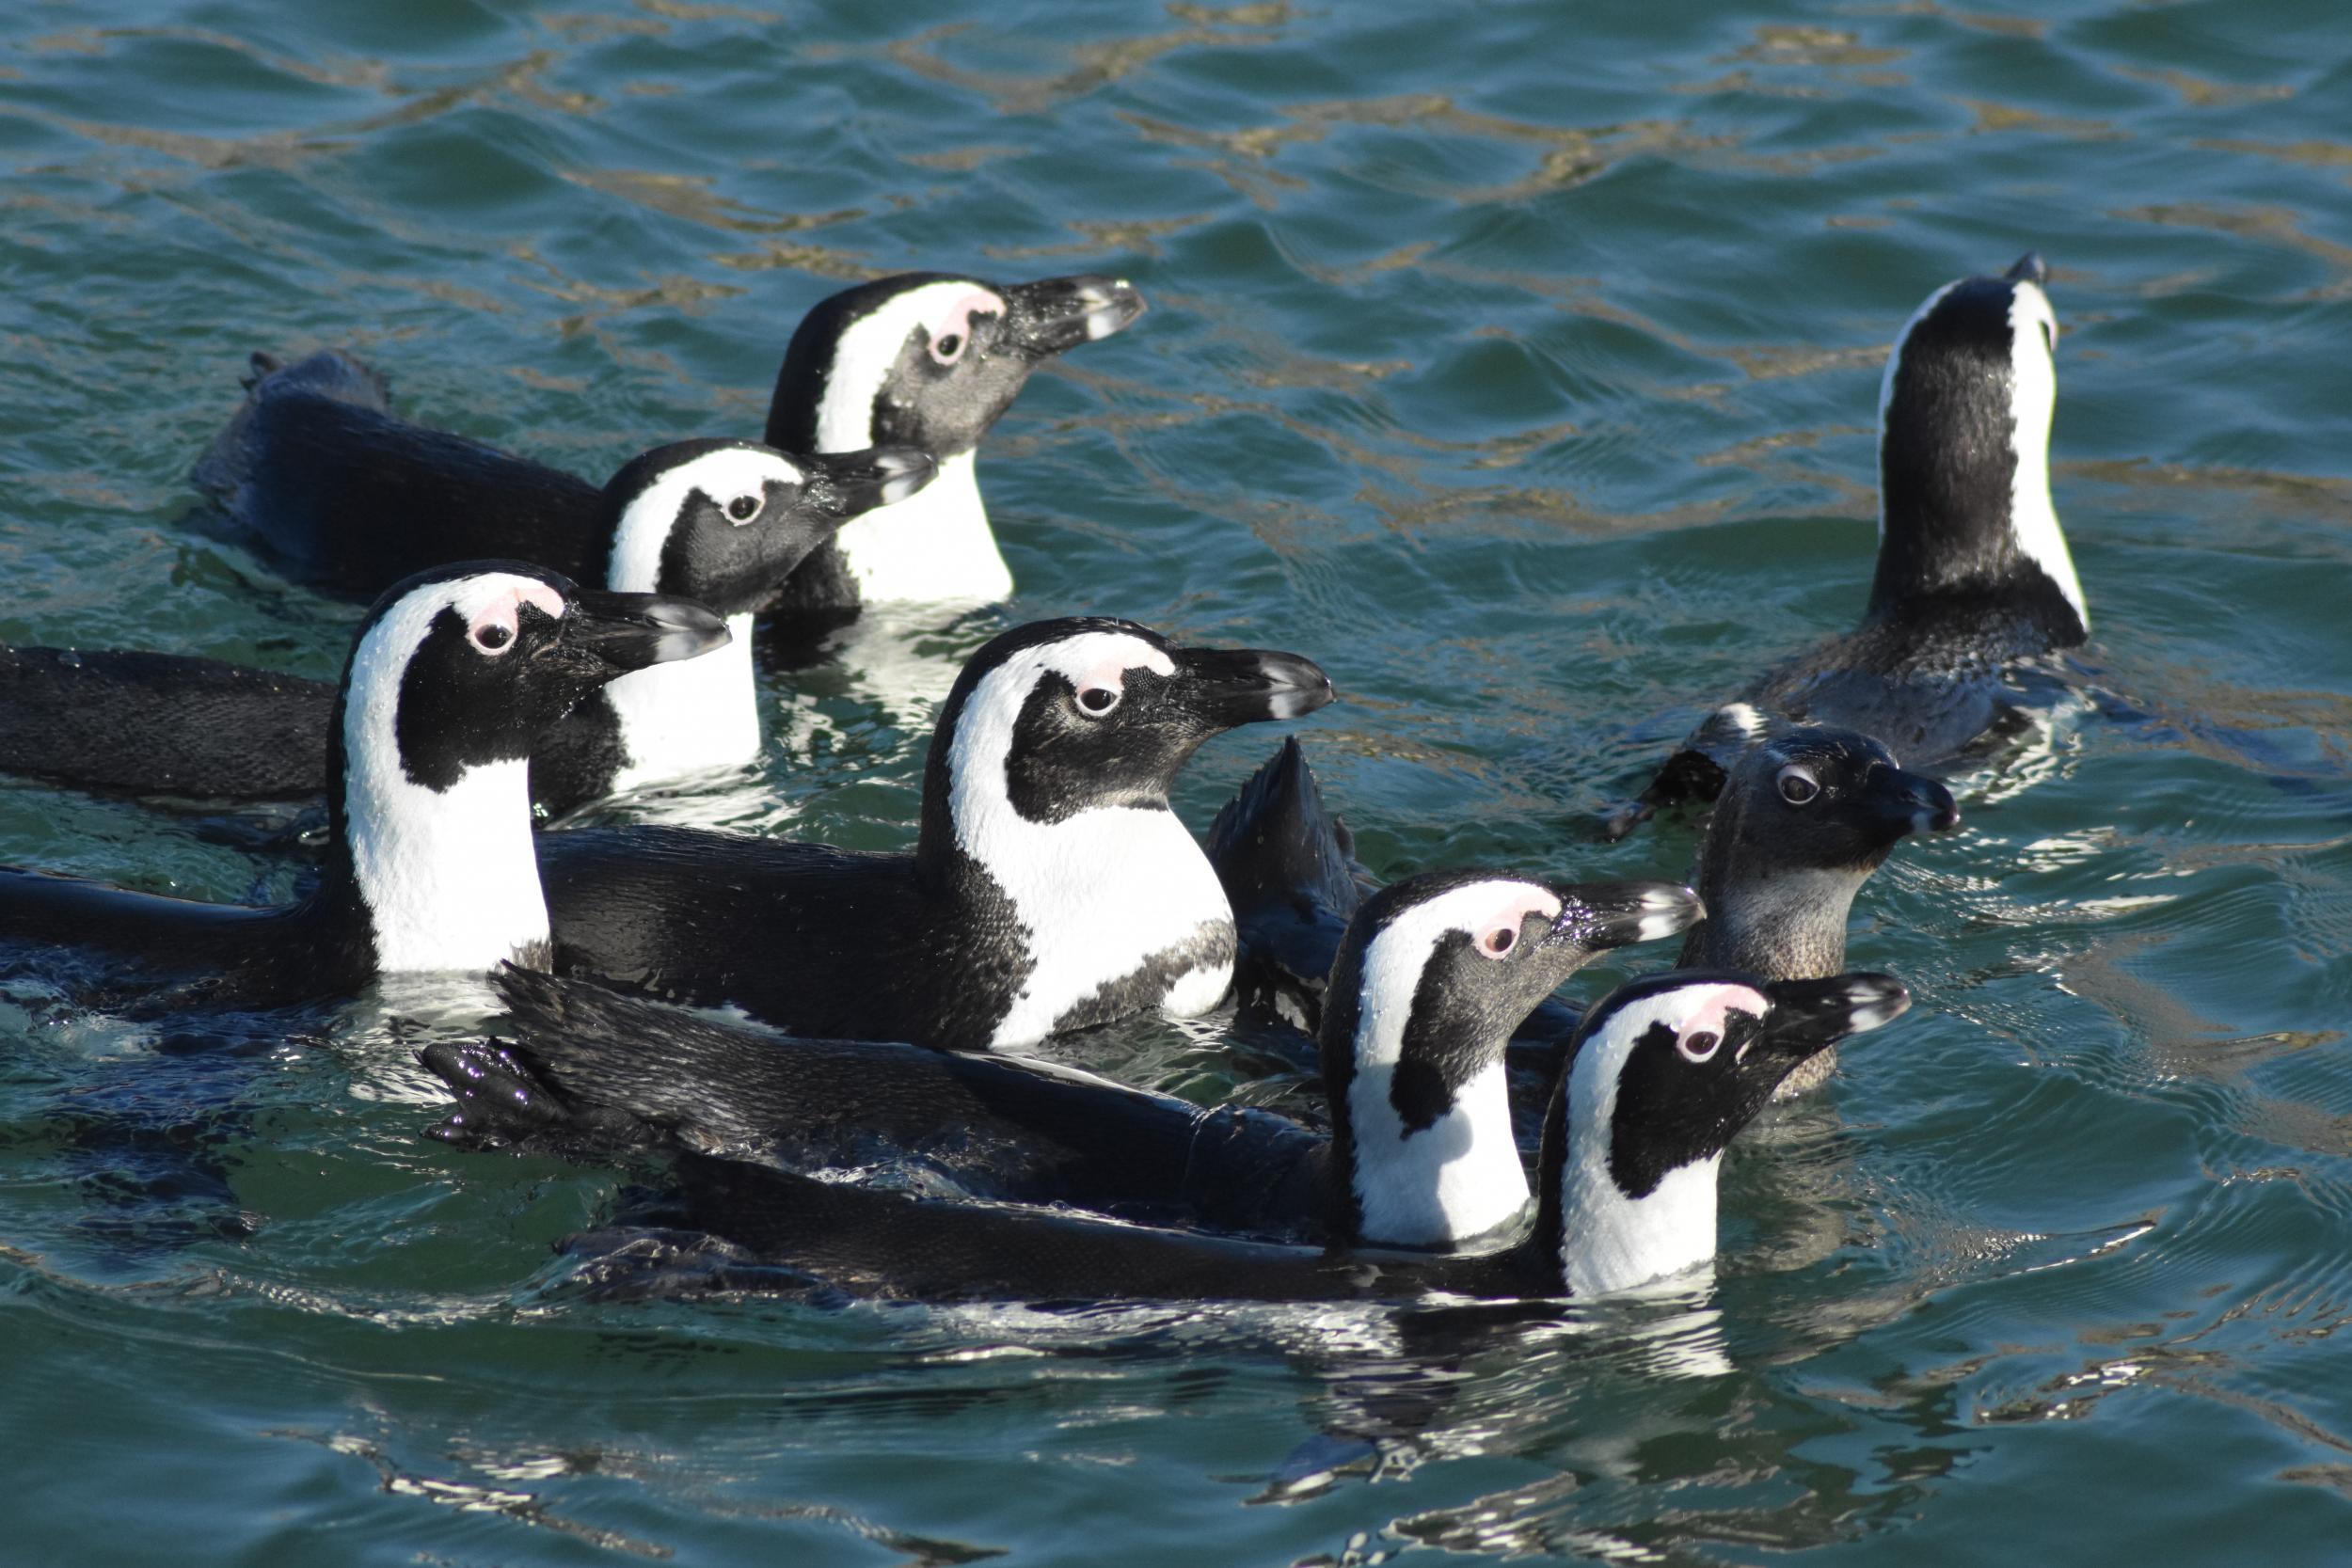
1437, 969
1803, 819
717, 522
1050, 888
929, 360
1974, 586
1666, 1070
429, 867
317, 470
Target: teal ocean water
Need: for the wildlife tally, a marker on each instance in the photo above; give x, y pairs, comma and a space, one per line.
1516, 361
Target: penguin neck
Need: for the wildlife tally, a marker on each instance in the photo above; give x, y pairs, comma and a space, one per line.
1591, 1236
1965, 518
935, 545
1415, 1163
1782, 923
444, 878
689, 716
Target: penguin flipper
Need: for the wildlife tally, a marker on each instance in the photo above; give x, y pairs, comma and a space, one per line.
149, 723
1289, 869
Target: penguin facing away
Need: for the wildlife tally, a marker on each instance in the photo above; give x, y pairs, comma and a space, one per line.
1974, 586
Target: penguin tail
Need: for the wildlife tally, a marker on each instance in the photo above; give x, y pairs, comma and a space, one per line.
503, 1102
1290, 872
1275, 841
230, 462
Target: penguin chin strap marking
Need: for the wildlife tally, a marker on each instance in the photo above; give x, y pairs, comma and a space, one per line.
1098, 894
935, 545
2033, 399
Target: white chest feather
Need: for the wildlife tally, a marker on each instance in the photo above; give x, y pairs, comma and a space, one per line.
934, 544
1610, 1241
1101, 893
689, 715
450, 879
1458, 1178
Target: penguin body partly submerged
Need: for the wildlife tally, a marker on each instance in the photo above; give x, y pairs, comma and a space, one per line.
428, 865
1808, 816
717, 522
1666, 1072
1974, 587
1437, 969
1050, 888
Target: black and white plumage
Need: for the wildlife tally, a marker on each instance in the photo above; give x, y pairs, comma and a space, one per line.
928, 360
429, 864
1974, 585
1051, 887
1437, 969
1666, 1072
719, 522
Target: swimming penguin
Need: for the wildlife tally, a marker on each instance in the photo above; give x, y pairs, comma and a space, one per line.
929, 360
316, 468
1666, 1070
429, 864
722, 523
1436, 969
1805, 820
1974, 583
1050, 888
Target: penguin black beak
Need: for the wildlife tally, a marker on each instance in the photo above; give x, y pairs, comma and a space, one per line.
1910, 802
1597, 916
1807, 1017
1226, 686
612, 634
843, 486
1054, 315
2028, 268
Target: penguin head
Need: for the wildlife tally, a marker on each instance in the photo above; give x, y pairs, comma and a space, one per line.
463, 666
931, 359
723, 523
454, 675
1432, 977
1060, 718
1815, 797
1965, 410
1664, 1072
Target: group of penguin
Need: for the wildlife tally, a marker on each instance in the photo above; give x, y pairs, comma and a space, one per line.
767, 1015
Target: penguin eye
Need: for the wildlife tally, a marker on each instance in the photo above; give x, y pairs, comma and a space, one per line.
492, 637
744, 507
946, 347
1499, 940
1699, 1045
1797, 784
1096, 700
